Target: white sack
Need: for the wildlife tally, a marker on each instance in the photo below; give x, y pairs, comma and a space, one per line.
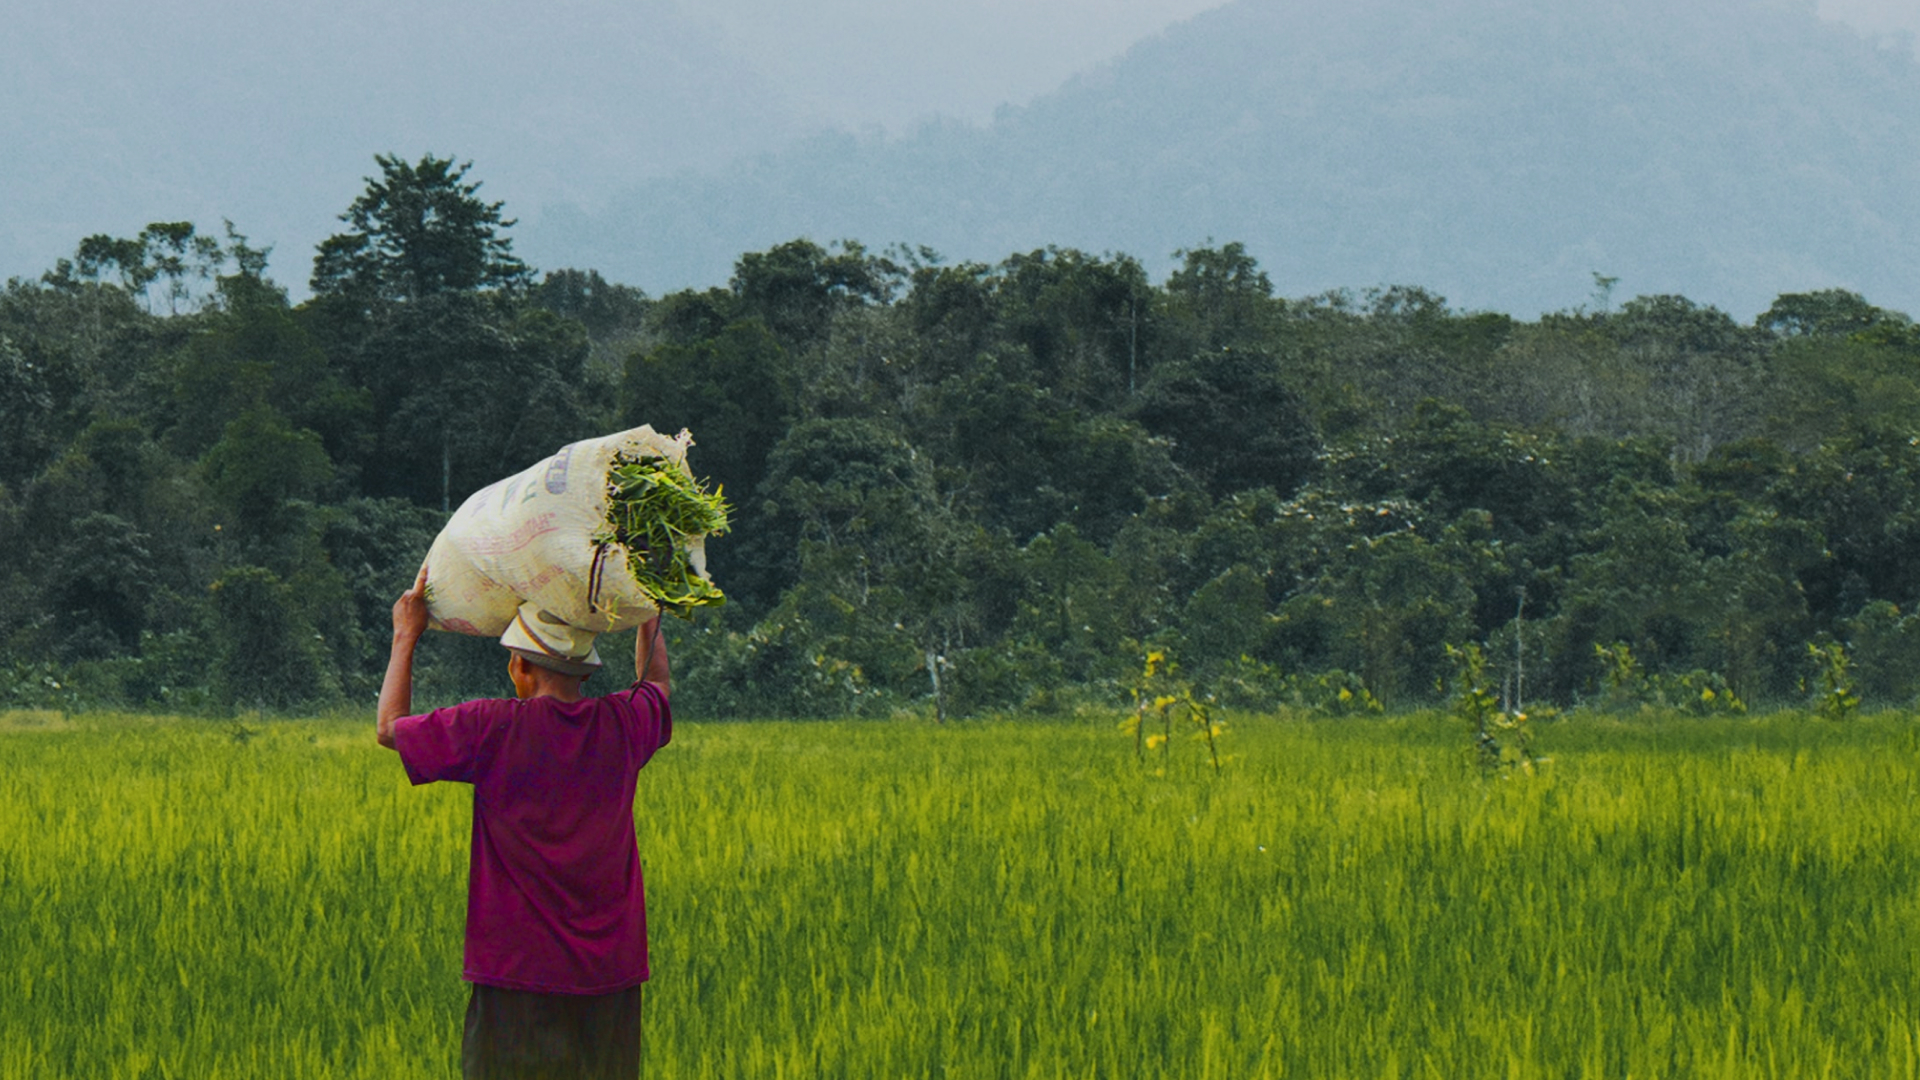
530, 537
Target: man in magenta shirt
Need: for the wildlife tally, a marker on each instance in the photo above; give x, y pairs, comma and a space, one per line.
556, 922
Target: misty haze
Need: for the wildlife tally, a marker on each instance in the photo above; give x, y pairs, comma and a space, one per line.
1498, 153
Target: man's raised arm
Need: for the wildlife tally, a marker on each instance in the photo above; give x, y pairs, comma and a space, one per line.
396, 690
650, 656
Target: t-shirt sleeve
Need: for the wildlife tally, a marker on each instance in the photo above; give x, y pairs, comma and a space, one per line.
445, 744
654, 712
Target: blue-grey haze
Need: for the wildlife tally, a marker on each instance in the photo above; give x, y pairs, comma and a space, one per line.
1498, 151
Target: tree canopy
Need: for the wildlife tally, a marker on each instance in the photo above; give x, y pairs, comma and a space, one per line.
960, 487
419, 229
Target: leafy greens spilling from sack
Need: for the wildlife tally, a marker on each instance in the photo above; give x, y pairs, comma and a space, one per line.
653, 508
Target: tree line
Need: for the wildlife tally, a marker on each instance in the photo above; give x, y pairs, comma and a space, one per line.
961, 488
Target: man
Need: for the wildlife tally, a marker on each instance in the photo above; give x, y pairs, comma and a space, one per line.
556, 947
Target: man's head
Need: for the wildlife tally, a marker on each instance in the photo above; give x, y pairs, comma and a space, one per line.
530, 680
547, 652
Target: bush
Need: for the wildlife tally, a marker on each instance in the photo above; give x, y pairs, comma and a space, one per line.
265, 654
1883, 646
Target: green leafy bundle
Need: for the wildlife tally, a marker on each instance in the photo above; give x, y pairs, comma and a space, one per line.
654, 508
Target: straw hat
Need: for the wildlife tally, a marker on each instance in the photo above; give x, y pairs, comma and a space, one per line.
544, 639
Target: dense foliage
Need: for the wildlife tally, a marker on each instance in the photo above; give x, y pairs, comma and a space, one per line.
967, 487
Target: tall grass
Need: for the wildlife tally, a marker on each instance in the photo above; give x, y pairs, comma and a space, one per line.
1677, 898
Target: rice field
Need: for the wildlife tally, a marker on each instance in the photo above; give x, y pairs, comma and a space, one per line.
191, 898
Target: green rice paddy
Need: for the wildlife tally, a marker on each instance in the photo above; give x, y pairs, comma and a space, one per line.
190, 898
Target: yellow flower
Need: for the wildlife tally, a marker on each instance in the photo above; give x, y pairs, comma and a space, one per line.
1154, 741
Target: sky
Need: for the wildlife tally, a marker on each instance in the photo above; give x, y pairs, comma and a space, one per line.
117, 113
882, 62
864, 63
1875, 16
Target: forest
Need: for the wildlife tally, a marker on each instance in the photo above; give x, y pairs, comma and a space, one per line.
957, 488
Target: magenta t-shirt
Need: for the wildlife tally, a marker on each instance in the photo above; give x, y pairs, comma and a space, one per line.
554, 899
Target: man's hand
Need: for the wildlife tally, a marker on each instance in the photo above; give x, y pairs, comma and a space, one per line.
410, 611
650, 655
396, 691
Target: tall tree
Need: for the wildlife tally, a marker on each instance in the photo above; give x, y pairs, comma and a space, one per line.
26, 407
796, 287
1826, 313
1221, 292
418, 230
1233, 421
1085, 321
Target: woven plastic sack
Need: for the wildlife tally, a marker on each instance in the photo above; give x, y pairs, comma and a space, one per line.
531, 537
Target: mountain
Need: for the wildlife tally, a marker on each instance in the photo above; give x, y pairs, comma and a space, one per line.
1499, 152
269, 112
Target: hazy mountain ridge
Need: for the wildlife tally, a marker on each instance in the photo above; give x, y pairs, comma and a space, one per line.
1496, 150
270, 113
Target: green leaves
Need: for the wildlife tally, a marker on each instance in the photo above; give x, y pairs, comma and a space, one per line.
653, 509
1835, 698
1160, 690
1501, 739
260, 463
419, 229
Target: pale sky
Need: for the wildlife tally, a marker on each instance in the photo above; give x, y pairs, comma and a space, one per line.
866, 62
122, 112
1875, 16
